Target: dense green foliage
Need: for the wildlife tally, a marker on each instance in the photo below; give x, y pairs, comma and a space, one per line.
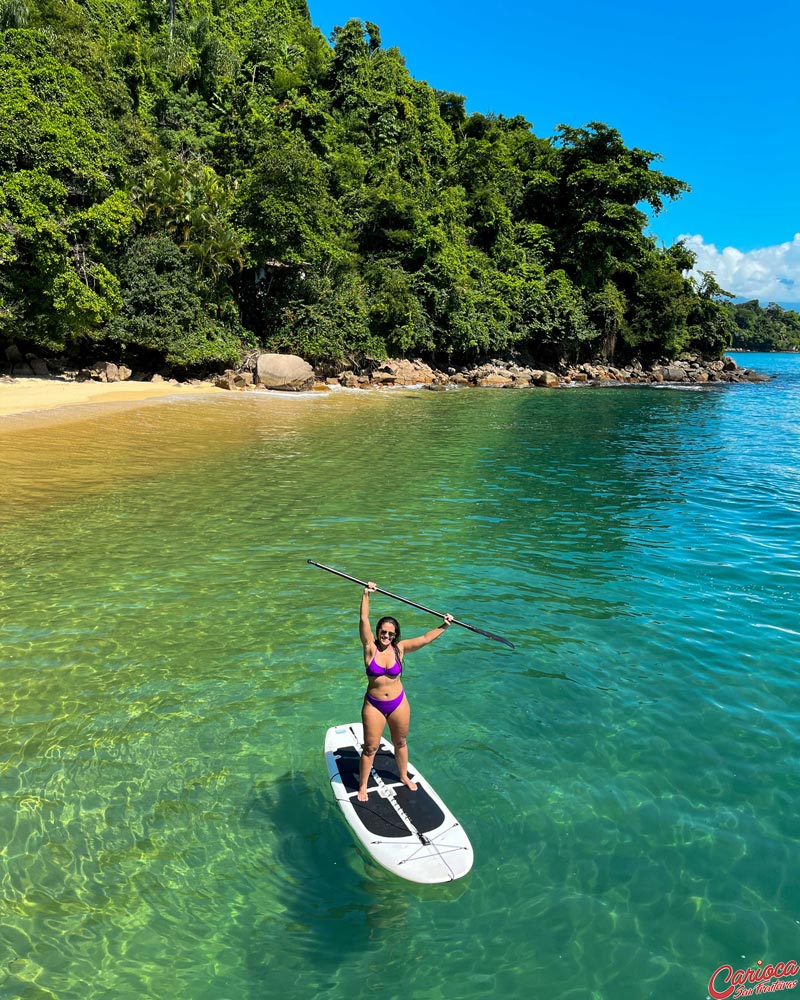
765, 329
178, 181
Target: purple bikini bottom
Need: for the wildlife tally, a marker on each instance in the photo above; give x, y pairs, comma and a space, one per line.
384, 706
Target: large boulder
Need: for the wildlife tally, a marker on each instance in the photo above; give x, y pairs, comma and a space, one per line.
284, 371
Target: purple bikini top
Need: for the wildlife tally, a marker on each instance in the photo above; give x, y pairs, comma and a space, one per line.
376, 670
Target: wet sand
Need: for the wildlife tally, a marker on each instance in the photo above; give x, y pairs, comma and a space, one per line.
29, 395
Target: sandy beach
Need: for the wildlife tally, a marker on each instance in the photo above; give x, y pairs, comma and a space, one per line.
30, 395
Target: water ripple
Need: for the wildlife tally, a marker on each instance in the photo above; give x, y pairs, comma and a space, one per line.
170, 663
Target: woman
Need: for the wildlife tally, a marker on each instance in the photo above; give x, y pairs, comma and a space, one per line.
385, 700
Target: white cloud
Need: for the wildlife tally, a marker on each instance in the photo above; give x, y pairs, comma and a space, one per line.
770, 274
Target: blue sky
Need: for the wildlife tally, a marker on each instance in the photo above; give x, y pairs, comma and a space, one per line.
713, 88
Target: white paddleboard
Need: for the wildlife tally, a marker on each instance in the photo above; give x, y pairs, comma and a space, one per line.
412, 834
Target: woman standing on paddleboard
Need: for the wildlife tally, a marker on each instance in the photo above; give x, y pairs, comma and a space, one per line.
385, 700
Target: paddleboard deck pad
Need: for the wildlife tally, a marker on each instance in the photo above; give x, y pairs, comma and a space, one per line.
412, 834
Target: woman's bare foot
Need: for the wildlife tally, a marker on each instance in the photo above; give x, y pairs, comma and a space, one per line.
411, 784
362, 795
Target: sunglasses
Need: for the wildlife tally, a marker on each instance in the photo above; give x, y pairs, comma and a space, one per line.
383, 631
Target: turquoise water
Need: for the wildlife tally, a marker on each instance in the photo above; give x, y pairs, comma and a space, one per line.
170, 663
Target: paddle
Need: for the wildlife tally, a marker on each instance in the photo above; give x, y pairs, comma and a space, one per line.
472, 628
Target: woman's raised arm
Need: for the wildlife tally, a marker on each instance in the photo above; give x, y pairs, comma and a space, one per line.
410, 645
364, 627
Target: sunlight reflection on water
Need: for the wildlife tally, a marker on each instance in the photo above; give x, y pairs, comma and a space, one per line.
171, 663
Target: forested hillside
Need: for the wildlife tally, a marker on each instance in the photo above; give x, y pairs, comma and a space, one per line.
182, 180
770, 329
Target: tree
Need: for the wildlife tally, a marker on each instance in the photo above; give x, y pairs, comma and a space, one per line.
710, 323
192, 203
660, 302
62, 216
285, 207
168, 312
592, 209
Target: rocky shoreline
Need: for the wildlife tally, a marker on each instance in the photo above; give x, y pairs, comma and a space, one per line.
262, 372
503, 374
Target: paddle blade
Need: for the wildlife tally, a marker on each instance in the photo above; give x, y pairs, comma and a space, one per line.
489, 635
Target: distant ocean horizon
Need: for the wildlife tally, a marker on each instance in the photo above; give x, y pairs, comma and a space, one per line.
628, 775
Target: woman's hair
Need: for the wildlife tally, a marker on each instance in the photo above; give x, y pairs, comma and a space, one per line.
396, 639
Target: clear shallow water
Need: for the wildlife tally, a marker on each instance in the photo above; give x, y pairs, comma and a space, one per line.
628, 777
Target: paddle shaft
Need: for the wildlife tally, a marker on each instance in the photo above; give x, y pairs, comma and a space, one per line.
413, 604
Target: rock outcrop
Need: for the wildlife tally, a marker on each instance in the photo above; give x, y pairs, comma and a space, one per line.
234, 380
504, 374
286, 372
105, 371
